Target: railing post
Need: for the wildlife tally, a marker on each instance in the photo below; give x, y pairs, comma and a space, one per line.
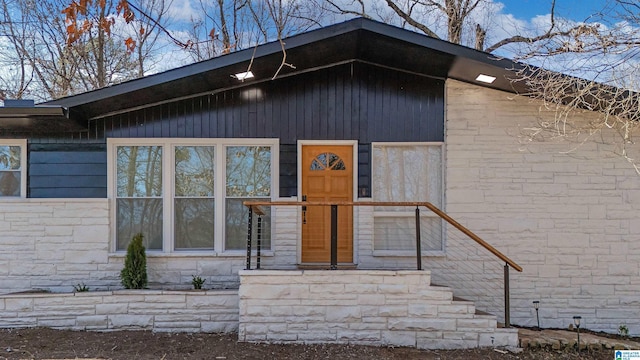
418, 240
334, 237
249, 239
507, 316
259, 244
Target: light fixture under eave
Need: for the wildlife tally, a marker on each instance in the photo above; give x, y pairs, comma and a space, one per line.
243, 75
486, 78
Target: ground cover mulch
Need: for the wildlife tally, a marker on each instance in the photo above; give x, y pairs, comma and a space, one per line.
42, 343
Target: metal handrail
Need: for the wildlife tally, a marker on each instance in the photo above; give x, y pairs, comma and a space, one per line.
255, 206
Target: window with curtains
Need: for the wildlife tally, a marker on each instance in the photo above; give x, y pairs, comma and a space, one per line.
407, 172
13, 168
187, 195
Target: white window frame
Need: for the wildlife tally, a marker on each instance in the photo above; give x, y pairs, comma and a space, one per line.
168, 187
424, 212
23, 167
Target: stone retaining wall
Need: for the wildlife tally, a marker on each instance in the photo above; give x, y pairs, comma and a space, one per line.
375, 307
163, 311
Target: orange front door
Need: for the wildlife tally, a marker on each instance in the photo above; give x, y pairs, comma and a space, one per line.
327, 175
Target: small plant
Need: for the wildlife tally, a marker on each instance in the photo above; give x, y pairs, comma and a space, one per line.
134, 273
623, 330
80, 288
197, 282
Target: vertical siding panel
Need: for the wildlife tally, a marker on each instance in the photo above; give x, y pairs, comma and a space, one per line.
339, 107
267, 102
401, 108
323, 105
101, 128
188, 119
299, 109
316, 123
148, 123
350, 101
363, 98
252, 113
197, 117
347, 99
377, 115
173, 120
333, 119
308, 111
219, 116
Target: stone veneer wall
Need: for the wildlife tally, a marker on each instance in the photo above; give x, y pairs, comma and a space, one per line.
572, 220
54, 244
166, 311
373, 307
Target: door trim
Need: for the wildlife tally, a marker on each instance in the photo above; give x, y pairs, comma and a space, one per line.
354, 145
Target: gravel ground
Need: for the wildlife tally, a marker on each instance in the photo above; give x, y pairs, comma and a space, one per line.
43, 343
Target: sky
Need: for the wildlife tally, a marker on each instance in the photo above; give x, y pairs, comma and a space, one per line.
577, 10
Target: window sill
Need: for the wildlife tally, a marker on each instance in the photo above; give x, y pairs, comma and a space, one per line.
192, 254
408, 253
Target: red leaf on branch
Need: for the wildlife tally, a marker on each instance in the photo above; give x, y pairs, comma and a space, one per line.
130, 44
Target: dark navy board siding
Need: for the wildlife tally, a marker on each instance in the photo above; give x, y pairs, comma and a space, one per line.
67, 171
353, 101
345, 102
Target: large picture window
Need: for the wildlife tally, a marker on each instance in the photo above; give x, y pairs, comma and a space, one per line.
186, 195
12, 168
407, 173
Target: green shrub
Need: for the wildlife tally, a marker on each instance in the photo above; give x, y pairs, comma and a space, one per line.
134, 273
197, 282
80, 288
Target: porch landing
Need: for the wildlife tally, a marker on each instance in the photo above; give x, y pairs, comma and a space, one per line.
371, 307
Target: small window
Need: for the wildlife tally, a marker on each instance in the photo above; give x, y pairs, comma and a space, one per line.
407, 173
327, 161
12, 168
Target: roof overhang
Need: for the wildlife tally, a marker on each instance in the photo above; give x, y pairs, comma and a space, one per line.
37, 119
355, 40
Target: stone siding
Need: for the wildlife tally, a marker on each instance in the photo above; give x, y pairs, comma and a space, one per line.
377, 307
163, 311
55, 244
567, 211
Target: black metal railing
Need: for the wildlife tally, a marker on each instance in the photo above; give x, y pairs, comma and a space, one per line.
255, 207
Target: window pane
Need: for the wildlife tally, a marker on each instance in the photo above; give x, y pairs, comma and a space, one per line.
9, 158
139, 216
9, 183
194, 170
248, 171
194, 223
139, 171
407, 173
236, 225
399, 233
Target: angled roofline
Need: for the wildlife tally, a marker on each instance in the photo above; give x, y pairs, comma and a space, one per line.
454, 50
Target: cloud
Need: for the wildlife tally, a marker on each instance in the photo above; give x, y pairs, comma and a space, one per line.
185, 10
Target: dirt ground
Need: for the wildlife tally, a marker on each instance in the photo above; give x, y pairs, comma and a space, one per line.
43, 343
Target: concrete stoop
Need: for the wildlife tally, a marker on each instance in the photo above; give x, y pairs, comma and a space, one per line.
372, 307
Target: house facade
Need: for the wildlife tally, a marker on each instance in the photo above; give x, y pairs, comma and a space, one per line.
370, 113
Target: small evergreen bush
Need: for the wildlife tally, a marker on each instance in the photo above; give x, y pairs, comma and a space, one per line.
80, 288
197, 282
134, 273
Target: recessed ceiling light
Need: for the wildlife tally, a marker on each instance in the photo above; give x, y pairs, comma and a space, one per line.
243, 75
486, 78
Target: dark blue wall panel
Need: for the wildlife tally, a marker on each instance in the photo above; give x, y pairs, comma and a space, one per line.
67, 170
353, 101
